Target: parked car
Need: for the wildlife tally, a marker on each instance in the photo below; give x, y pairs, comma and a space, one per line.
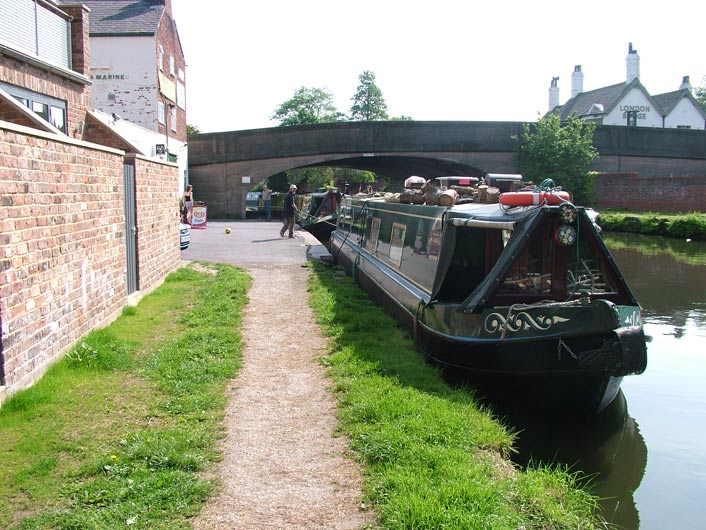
184, 235
252, 201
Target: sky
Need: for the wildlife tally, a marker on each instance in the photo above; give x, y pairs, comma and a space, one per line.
443, 60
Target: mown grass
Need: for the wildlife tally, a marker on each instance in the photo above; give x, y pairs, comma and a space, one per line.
119, 434
116, 434
432, 458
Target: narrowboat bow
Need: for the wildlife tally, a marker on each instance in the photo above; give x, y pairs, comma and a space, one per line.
527, 300
319, 212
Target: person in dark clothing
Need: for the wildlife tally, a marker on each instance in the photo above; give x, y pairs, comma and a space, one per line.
289, 209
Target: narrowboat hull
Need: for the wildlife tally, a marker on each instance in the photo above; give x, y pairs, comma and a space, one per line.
567, 355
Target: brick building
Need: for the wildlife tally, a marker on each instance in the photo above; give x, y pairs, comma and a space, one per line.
88, 223
138, 71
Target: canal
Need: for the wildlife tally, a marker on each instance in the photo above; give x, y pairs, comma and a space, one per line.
645, 454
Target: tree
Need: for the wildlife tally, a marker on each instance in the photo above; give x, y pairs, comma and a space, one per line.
561, 152
313, 177
700, 94
306, 107
192, 129
328, 177
369, 105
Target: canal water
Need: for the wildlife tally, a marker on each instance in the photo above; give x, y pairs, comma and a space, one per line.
646, 454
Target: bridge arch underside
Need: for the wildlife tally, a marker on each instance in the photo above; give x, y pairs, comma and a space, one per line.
224, 185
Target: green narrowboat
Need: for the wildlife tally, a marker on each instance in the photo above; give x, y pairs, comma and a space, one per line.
525, 300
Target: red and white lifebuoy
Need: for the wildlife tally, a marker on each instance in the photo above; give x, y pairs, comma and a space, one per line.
531, 198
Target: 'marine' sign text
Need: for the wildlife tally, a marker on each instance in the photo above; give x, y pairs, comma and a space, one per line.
108, 76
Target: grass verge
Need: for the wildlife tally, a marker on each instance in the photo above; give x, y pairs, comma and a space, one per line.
116, 434
119, 433
431, 456
682, 226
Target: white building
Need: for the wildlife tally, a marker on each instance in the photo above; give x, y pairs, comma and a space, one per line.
629, 103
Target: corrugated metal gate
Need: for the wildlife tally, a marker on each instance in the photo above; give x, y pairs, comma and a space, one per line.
130, 228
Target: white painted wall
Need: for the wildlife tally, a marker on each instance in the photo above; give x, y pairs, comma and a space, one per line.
648, 115
132, 63
685, 114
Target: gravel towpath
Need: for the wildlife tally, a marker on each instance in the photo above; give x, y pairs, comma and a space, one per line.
283, 465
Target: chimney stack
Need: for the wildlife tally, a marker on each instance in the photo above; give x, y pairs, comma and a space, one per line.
554, 94
633, 65
576, 81
685, 83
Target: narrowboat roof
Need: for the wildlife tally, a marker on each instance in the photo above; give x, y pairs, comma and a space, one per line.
485, 212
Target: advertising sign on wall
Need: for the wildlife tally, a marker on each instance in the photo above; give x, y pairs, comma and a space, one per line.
198, 216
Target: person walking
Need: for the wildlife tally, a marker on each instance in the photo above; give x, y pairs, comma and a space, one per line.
289, 209
266, 196
189, 203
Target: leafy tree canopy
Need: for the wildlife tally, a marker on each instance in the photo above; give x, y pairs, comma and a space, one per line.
192, 129
368, 102
279, 182
328, 177
308, 106
700, 94
561, 152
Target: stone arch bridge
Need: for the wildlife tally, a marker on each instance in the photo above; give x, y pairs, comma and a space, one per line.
224, 166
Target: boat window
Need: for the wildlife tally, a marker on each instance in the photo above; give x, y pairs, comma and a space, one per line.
372, 242
531, 272
544, 267
587, 270
471, 260
507, 234
397, 242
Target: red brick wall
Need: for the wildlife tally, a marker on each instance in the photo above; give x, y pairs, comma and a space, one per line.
80, 57
62, 248
62, 244
157, 209
76, 94
11, 114
665, 194
99, 133
168, 37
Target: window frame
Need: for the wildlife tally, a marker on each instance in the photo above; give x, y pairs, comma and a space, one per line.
161, 113
55, 108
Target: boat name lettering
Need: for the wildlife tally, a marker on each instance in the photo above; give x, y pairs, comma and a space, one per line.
633, 319
496, 322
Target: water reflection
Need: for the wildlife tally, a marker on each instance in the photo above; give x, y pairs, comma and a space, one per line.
667, 276
608, 449
667, 402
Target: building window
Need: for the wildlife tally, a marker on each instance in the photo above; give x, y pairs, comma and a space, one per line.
161, 58
174, 119
57, 117
160, 112
50, 109
172, 65
41, 109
